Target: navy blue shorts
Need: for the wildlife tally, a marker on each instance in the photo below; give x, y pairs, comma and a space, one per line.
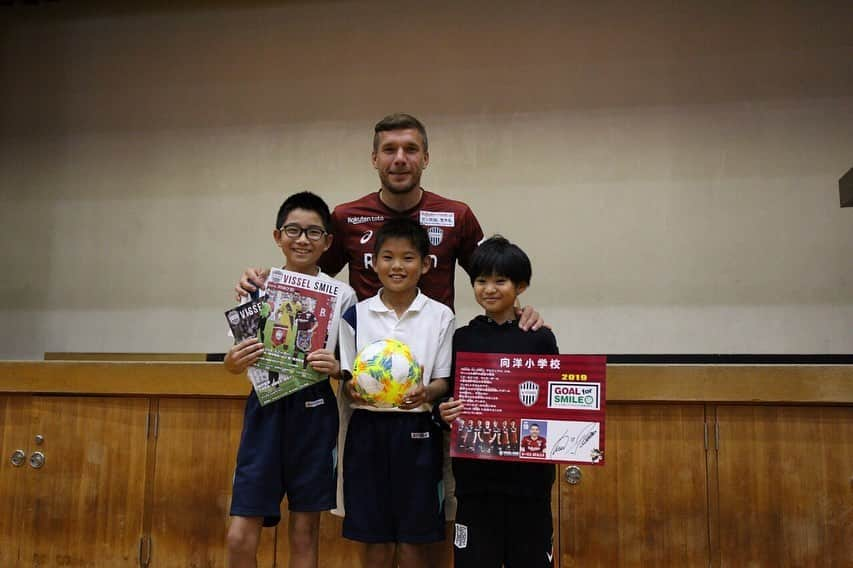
288, 447
393, 489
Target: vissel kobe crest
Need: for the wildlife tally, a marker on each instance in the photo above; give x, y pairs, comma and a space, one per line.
528, 393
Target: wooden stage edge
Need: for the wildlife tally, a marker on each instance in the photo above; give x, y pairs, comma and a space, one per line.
789, 384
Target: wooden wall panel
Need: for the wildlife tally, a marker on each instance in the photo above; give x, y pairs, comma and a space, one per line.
648, 505
806, 384
14, 435
785, 486
196, 452
335, 550
85, 506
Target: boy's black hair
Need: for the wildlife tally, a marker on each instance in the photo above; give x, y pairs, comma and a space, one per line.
403, 228
307, 201
399, 121
497, 256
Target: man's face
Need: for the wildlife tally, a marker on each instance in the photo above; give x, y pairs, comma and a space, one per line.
534, 432
400, 159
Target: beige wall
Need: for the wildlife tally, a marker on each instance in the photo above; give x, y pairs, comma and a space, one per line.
671, 170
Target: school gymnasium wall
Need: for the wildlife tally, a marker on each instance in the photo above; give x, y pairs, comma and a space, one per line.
671, 168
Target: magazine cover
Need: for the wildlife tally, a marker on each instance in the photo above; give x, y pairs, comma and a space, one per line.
245, 319
293, 319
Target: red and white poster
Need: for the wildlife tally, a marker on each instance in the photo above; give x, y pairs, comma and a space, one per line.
530, 408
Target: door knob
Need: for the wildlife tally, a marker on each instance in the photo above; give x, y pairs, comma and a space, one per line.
573, 475
18, 457
37, 460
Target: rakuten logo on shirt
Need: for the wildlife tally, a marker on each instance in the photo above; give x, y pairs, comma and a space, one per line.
358, 220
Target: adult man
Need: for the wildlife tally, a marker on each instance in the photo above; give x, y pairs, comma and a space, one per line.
533, 443
400, 155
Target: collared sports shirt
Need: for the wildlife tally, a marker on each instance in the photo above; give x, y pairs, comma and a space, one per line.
426, 327
453, 230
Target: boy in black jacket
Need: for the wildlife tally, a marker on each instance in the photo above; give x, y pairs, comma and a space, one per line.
503, 516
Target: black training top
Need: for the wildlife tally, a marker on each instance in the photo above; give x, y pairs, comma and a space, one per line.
484, 335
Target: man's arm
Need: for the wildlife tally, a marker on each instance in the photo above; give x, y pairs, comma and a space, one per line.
347, 349
528, 318
472, 236
334, 259
252, 280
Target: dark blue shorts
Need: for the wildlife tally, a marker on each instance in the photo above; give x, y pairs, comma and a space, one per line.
393, 490
288, 447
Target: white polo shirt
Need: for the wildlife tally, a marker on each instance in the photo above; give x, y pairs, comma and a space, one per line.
426, 327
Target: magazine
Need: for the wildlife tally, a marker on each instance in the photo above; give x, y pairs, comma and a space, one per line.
292, 319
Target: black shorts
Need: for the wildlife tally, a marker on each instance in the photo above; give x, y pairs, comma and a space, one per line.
499, 530
393, 489
288, 447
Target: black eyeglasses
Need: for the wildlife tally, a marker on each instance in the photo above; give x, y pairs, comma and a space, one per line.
294, 231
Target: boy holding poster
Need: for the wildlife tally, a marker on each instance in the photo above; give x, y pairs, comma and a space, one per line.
503, 514
276, 456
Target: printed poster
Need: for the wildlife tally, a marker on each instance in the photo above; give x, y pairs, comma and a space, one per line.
530, 408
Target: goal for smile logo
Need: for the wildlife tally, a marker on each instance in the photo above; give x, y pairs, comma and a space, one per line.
575, 396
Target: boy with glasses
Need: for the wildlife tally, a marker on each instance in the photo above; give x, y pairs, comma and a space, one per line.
276, 457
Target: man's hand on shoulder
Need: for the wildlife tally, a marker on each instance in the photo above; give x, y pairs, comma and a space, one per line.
529, 319
251, 280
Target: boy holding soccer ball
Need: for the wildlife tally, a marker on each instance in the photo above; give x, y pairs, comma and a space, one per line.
392, 469
503, 515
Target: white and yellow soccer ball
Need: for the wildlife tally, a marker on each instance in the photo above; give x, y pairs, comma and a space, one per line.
383, 371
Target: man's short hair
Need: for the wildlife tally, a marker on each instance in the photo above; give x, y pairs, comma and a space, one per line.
399, 121
499, 257
403, 228
307, 201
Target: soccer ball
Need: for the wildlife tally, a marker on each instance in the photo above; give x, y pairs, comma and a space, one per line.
383, 371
